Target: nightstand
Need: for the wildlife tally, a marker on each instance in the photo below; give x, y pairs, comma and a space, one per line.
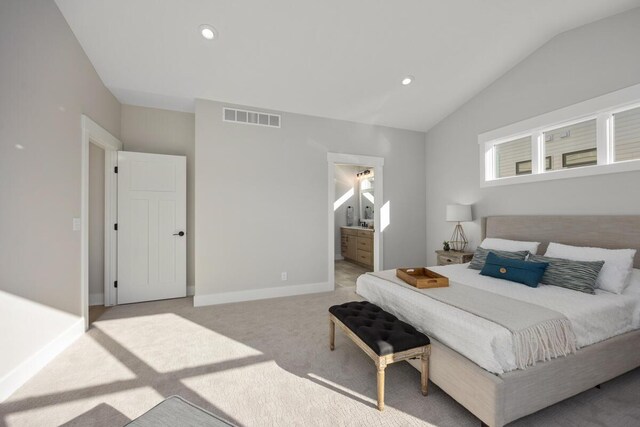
453, 257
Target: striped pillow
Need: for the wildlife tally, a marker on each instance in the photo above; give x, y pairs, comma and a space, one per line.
576, 275
480, 256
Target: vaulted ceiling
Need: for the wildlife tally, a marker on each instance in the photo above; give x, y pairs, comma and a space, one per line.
341, 59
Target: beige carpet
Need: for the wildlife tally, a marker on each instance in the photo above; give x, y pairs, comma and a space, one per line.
257, 363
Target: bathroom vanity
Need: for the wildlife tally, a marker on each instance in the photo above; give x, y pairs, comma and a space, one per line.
357, 245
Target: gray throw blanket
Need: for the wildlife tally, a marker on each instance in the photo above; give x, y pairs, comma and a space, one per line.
539, 333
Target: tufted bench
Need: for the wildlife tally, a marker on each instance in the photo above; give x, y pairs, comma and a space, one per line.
382, 336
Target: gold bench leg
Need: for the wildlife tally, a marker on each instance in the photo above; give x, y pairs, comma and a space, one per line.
424, 376
332, 334
381, 365
382, 361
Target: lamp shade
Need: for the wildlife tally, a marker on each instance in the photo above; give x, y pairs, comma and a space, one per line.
459, 213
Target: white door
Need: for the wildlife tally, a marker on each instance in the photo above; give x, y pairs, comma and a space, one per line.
152, 224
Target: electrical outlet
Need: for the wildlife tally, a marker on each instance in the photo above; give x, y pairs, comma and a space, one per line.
77, 224
283, 275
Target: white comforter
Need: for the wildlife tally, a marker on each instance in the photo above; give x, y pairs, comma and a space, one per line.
594, 317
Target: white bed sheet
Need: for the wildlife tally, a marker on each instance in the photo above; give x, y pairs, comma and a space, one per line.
594, 317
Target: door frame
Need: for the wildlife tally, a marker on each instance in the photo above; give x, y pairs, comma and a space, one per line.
377, 163
93, 133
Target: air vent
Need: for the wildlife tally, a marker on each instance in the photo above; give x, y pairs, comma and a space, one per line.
251, 117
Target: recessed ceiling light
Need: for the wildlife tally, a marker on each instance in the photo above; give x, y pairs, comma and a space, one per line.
407, 80
20, 146
208, 32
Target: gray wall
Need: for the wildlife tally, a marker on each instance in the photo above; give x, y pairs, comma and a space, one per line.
575, 66
150, 130
96, 225
261, 197
46, 83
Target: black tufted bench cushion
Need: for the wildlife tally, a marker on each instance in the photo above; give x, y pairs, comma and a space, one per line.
383, 337
381, 331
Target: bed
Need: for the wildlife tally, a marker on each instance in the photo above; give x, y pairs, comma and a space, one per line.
471, 358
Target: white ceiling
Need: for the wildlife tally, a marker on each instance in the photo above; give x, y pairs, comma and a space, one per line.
341, 59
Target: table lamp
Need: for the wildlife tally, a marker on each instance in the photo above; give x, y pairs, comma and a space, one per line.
458, 213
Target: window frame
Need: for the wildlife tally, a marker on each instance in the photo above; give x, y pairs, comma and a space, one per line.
602, 109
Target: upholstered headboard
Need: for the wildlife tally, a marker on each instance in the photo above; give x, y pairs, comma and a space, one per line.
606, 231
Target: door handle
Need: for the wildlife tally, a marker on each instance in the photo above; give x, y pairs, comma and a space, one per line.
179, 234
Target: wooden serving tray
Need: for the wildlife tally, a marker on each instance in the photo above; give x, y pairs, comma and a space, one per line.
422, 278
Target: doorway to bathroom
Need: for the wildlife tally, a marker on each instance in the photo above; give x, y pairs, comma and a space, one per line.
355, 200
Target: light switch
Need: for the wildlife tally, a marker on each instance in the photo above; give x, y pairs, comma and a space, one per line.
77, 224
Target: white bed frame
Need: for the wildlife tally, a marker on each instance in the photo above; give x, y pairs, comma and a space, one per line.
499, 399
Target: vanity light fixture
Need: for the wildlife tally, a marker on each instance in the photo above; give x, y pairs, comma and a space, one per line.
407, 81
363, 173
208, 32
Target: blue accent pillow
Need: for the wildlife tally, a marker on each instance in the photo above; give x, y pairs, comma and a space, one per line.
515, 270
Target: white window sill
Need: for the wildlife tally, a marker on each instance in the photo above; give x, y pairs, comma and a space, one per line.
627, 166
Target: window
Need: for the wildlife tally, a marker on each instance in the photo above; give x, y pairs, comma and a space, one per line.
510, 154
597, 136
627, 135
572, 146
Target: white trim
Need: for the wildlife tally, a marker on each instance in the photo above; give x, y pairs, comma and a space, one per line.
602, 135
27, 369
96, 299
628, 166
601, 108
191, 290
110, 235
538, 154
354, 159
377, 163
94, 133
338, 257
256, 294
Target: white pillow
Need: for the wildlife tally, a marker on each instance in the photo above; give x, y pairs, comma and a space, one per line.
634, 290
634, 284
509, 245
616, 271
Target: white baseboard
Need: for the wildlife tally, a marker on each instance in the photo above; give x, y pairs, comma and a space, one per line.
338, 257
255, 294
27, 369
191, 290
96, 299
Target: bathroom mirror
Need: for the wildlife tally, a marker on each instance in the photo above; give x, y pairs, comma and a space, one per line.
367, 199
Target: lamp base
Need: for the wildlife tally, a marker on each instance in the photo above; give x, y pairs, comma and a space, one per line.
458, 240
